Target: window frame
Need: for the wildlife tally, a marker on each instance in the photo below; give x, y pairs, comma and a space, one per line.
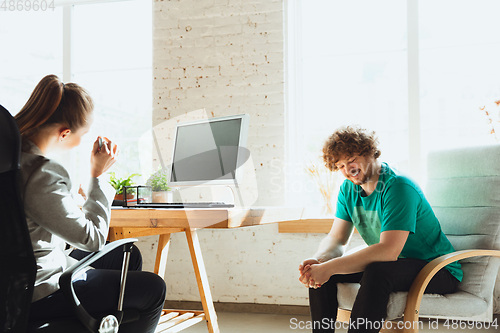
293, 82
293, 103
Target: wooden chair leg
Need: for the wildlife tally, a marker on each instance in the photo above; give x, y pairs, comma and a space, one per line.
202, 280
343, 315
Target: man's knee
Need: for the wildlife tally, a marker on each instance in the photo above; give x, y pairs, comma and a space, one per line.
326, 291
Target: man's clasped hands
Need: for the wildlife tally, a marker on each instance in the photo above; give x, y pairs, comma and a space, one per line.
313, 273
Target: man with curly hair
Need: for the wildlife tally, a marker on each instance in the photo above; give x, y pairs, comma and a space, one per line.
393, 217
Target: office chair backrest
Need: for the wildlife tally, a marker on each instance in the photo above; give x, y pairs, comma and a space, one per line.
17, 263
463, 188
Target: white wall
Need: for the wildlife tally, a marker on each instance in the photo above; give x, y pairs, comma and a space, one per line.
227, 57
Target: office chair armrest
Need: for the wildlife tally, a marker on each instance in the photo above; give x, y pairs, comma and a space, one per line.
427, 273
65, 282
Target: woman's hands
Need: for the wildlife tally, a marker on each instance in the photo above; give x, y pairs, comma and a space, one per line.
102, 159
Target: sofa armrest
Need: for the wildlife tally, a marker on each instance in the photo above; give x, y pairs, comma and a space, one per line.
417, 289
65, 282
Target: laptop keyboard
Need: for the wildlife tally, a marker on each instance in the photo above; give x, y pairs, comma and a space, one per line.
185, 205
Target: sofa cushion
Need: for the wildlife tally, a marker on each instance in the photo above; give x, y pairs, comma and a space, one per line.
481, 161
460, 304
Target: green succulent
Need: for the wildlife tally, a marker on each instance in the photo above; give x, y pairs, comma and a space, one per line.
158, 181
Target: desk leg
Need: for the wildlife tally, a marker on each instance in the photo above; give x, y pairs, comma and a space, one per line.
202, 280
161, 255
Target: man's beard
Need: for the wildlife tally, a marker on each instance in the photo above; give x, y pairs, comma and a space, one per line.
366, 176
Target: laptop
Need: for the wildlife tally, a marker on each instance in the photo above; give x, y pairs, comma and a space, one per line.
206, 152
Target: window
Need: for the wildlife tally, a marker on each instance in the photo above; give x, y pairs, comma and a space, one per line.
31, 48
349, 63
459, 71
112, 59
109, 48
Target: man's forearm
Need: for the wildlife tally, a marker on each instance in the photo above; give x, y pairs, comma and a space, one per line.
358, 261
329, 248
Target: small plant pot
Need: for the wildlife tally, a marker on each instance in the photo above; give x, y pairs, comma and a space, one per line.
162, 196
120, 196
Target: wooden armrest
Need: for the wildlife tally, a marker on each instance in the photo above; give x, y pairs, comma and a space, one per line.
427, 273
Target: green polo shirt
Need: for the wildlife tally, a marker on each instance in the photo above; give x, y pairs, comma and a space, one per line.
396, 204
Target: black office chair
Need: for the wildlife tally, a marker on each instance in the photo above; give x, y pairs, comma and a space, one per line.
17, 261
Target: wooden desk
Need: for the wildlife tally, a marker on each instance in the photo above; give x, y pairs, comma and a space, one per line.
127, 223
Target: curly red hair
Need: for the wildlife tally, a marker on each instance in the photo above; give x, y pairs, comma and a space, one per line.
349, 141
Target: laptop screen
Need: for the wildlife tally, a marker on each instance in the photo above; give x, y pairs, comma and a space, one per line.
208, 151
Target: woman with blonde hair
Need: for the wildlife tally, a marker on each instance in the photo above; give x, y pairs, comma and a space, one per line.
55, 118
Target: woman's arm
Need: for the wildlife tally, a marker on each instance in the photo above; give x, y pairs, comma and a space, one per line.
49, 203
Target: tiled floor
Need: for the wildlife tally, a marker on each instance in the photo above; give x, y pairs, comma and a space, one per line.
230, 322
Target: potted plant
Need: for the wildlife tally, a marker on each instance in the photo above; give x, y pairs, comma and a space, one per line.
119, 183
159, 183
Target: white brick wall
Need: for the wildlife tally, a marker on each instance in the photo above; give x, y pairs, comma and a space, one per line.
227, 56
